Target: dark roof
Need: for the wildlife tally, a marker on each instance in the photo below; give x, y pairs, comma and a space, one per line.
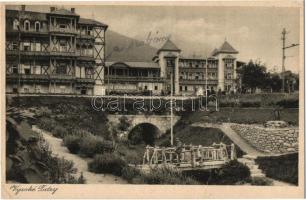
63, 11
169, 46
227, 48
30, 15
91, 22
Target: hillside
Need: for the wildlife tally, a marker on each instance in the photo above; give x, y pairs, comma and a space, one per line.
123, 48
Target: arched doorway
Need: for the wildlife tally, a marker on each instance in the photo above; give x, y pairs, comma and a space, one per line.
144, 133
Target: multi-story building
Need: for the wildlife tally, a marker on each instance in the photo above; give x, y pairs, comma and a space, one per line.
54, 52
58, 52
189, 76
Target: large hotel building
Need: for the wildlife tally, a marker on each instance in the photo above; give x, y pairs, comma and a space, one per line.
58, 52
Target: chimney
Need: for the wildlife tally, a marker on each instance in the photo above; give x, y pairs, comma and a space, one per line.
73, 10
23, 7
52, 9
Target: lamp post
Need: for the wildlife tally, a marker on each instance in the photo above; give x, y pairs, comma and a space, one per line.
284, 32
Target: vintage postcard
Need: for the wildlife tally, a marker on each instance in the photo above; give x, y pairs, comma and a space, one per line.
152, 99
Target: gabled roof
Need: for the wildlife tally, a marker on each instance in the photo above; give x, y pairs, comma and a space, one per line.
168, 46
91, 22
63, 11
227, 48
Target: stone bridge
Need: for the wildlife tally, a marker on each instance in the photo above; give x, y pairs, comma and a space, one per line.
161, 122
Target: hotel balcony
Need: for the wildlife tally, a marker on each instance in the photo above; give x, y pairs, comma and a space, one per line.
85, 57
198, 82
31, 32
63, 54
87, 37
85, 80
132, 79
27, 78
63, 30
27, 53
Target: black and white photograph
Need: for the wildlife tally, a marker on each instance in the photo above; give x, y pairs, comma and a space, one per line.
163, 94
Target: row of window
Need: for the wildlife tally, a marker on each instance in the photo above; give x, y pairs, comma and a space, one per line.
37, 27
197, 76
26, 25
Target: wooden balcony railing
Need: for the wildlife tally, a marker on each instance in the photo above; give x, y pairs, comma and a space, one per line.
133, 79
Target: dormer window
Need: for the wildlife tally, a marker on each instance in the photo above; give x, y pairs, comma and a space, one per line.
15, 24
37, 26
26, 25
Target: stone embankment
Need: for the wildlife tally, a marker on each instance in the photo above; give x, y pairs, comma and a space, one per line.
269, 140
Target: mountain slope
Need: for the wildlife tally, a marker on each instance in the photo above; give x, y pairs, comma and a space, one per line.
123, 48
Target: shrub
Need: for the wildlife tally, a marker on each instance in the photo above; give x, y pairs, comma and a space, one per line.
47, 124
91, 145
130, 173
261, 181
231, 173
59, 132
72, 142
166, 175
107, 163
288, 103
283, 167
124, 123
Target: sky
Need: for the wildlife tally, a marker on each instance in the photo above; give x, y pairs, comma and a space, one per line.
254, 31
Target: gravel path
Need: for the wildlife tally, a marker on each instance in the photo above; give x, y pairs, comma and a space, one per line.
80, 163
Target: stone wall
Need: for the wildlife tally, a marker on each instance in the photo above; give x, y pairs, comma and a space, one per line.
270, 140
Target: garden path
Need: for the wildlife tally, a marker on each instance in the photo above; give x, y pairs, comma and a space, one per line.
80, 163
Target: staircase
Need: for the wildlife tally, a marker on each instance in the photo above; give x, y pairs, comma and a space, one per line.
249, 160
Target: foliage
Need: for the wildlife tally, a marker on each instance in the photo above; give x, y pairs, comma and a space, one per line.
124, 123
107, 163
72, 142
288, 103
261, 181
283, 167
165, 175
32, 161
130, 173
253, 75
91, 145
59, 131
231, 173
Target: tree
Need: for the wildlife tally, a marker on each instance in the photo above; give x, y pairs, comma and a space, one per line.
253, 75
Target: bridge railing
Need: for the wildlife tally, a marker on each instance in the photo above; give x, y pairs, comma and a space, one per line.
190, 155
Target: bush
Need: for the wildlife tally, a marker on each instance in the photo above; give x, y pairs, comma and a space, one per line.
283, 168
91, 145
124, 123
47, 124
72, 142
107, 163
261, 181
231, 173
59, 132
130, 173
288, 103
166, 175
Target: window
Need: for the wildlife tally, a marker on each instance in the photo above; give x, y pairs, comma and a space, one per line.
63, 45
145, 87
37, 26
26, 90
15, 90
15, 24
155, 87
26, 25
15, 69
181, 88
15, 46
27, 71
26, 46
61, 69
170, 62
185, 88
62, 26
